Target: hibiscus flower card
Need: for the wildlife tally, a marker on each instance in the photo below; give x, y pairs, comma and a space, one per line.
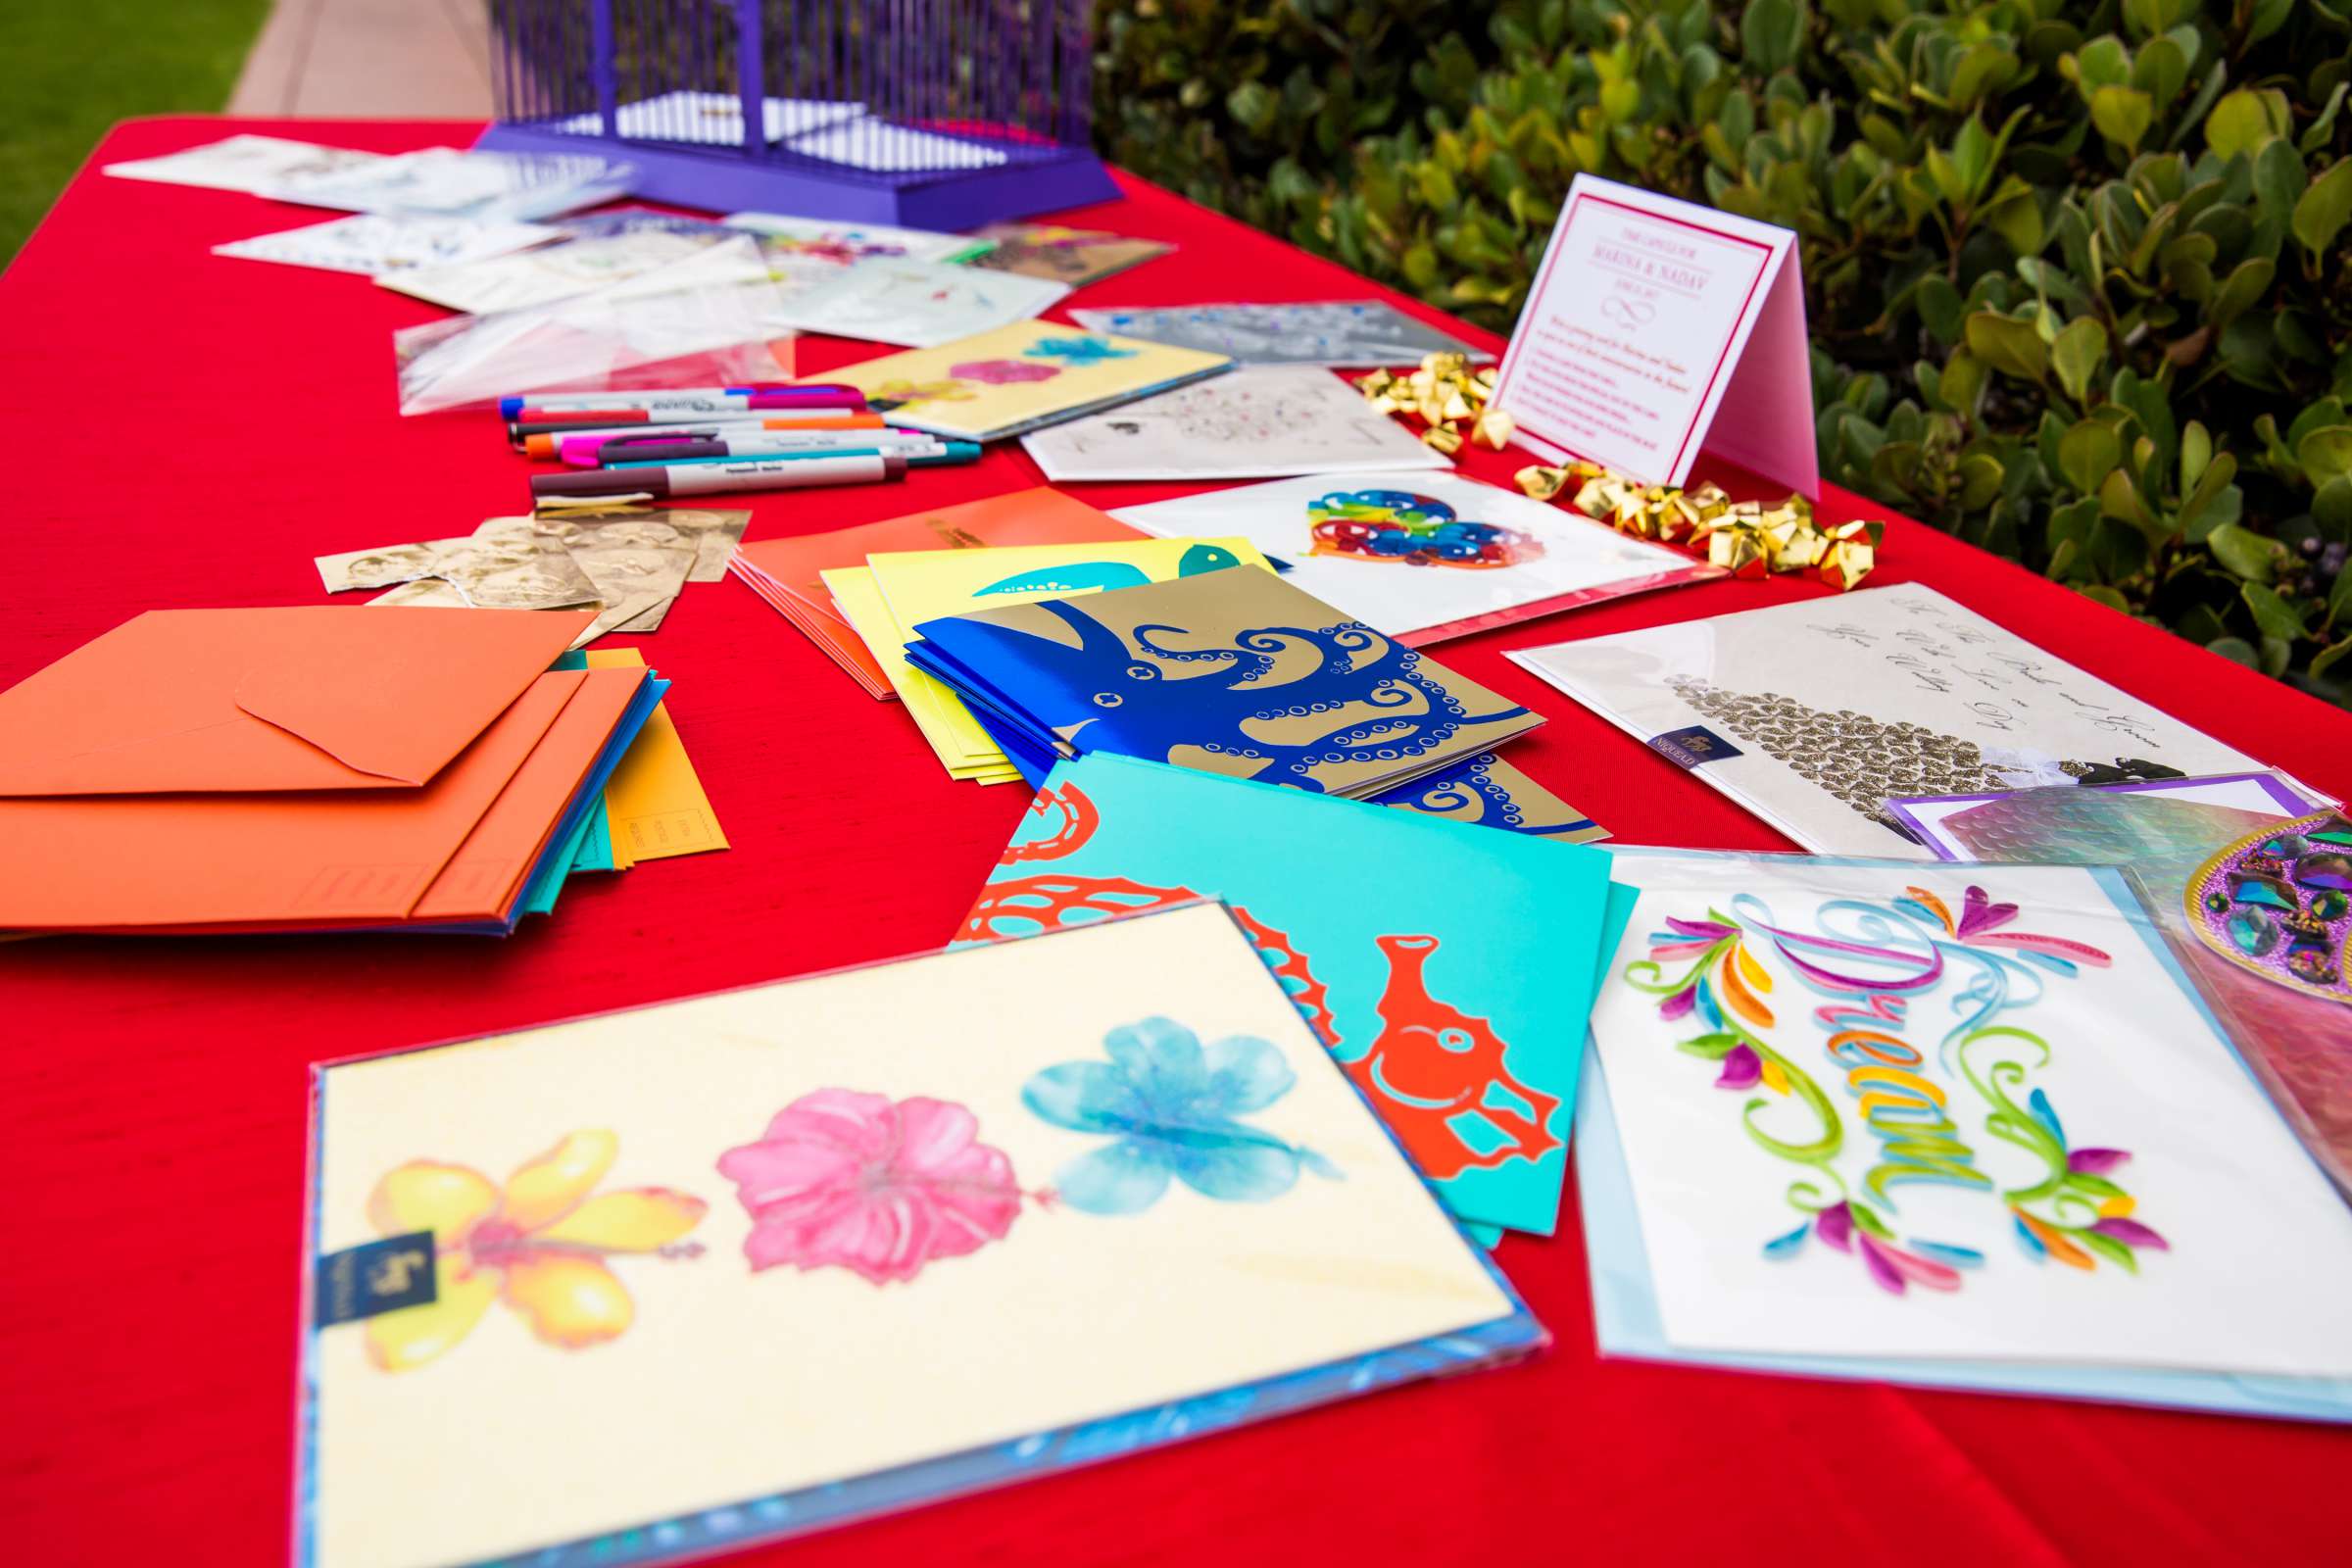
1872, 1109
1457, 1008
655, 1283
1020, 377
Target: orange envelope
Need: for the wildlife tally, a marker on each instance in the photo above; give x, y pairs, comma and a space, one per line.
307, 697
486, 875
325, 858
1041, 515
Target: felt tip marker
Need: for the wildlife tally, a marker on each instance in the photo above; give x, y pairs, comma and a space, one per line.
720, 478
764, 444
579, 448
693, 399
611, 422
920, 452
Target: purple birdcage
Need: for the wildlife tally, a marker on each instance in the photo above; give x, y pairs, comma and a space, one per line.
934, 113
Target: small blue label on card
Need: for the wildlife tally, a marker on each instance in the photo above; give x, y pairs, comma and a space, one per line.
374, 1277
1688, 747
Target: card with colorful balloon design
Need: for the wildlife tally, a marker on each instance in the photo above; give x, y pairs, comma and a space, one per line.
961, 1220
1874, 1110
1424, 556
1448, 966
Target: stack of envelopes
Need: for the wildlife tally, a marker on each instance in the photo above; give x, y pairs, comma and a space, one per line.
305, 769
789, 573
1232, 671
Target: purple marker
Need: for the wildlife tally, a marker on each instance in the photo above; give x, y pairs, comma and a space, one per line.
719, 478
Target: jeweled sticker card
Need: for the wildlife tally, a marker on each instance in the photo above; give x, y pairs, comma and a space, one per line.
1813, 714
1424, 556
1874, 1109
1448, 966
761, 1261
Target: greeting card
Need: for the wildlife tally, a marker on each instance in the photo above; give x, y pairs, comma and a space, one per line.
789, 572
1424, 556
594, 252
807, 251
491, 187
1338, 334
244, 163
1235, 672
374, 243
1656, 326
917, 303
1020, 377
1883, 1109
1256, 422
1813, 714
1072, 256
2021, 825
1448, 968
915, 586
962, 1219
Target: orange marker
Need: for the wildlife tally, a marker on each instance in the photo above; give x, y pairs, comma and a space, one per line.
550, 443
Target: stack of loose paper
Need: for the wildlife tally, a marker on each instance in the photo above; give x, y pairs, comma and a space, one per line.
789, 573
895, 591
305, 769
1957, 1125
1109, 1176
1233, 672
1448, 969
627, 562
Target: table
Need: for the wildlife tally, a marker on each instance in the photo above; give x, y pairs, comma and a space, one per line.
153, 1093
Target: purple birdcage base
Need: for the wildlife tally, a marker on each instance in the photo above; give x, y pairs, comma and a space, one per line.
1033, 180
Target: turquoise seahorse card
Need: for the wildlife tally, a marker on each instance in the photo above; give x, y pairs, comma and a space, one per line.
1449, 967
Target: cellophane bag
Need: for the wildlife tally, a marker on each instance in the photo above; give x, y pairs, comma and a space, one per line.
707, 320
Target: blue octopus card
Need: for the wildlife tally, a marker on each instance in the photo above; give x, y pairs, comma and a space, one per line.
1233, 672
847, 1243
1450, 968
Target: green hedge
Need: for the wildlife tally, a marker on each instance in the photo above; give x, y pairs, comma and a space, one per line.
2078, 276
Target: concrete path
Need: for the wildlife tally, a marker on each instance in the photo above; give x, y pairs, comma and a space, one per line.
366, 58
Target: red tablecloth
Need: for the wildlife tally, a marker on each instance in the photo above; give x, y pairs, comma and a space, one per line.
153, 1094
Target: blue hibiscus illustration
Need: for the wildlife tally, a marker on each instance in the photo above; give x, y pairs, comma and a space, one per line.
1076, 350
1171, 1104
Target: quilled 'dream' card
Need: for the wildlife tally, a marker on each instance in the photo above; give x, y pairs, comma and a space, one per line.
1448, 966
649, 1285
1874, 1109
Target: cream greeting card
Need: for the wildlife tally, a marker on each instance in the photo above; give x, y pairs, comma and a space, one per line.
756, 1261
1656, 326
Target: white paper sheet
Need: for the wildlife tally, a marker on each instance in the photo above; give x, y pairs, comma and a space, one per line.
1256, 422
376, 243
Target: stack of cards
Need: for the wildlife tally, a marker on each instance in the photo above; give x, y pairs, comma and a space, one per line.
971, 1217
789, 573
1962, 1126
895, 591
306, 769
1020, 379
1232, 671
1448, 969
1421, 557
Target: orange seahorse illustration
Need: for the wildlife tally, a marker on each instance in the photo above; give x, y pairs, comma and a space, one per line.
1433, 1062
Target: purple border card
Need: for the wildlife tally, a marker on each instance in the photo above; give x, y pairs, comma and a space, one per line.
2267, 793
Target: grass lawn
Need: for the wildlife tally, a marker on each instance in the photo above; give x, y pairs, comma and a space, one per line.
73, 68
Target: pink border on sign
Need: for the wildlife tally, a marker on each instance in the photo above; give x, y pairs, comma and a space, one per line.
1503, 378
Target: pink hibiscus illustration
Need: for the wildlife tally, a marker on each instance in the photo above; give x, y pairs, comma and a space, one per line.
1003, 372
863, 1182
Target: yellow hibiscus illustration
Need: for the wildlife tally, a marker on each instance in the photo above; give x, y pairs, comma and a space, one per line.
540, 1243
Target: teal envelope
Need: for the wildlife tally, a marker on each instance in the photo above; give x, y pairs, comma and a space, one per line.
1452, 968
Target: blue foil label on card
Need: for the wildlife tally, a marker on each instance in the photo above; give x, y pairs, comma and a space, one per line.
1689, 748
379, 1276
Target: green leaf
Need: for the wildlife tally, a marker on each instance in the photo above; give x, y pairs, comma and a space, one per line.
2196, 450
2237, 650
2212, 486
2325, 207
2008, 345
2325, 454
2273, 615
1771, 33
2243, 120
1939, 307
2123, 114
2239, 290
2100, 593
1712, 1047
2087, 453
2327, 658
2243, 553
2078, 353
2108, 1248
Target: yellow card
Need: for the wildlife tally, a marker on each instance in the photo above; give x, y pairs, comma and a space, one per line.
654, 799
1019, 377
860, 605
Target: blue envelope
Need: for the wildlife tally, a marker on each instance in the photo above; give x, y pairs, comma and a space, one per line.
1449, 967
